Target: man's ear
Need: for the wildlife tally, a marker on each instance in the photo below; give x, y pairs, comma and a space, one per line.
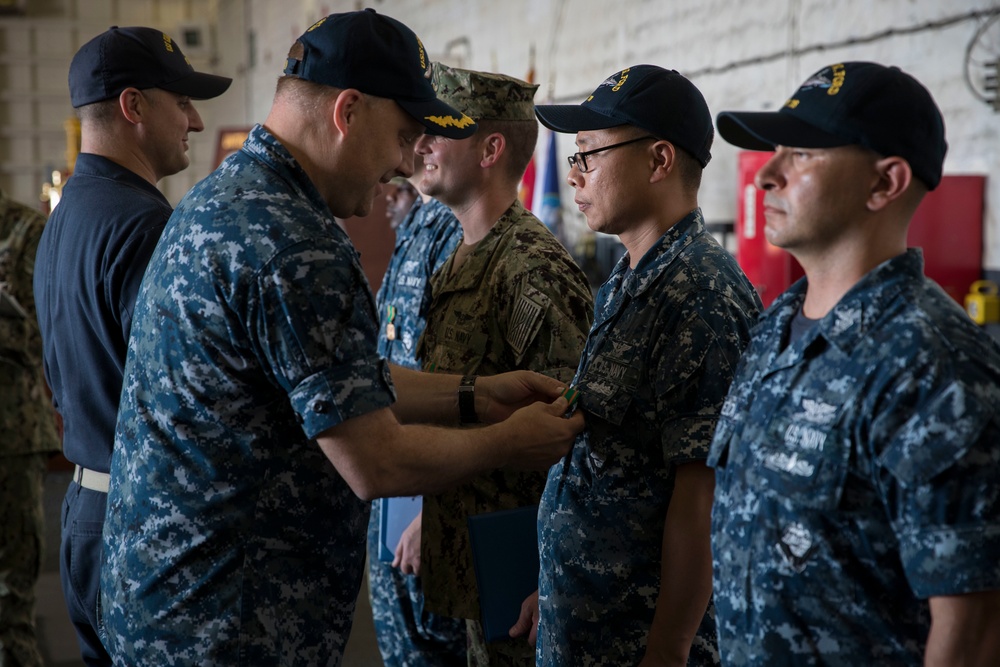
893, 178
494, 145
133, 104
347, 108
663, 158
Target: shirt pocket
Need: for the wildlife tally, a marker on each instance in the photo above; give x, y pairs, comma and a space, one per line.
608, 382
458, 350
718, 452
725, 431
607, 388
801, 463
605, 438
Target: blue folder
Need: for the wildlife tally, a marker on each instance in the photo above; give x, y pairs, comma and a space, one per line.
395, 515
505, 558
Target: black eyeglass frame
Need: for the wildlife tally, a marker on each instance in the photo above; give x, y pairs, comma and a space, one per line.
579, 160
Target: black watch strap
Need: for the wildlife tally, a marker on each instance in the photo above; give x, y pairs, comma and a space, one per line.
467, 400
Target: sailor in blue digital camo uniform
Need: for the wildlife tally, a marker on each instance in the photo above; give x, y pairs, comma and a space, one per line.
254, 423
425, 238
857, 511
230, 537
624, 521
428, 232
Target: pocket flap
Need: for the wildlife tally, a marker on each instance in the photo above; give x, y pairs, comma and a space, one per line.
937, 436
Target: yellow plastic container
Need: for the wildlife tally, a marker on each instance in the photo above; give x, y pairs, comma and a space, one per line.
982, 302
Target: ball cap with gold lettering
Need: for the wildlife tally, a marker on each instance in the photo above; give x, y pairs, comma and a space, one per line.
379, 56
136, 57
853, 103
660, 101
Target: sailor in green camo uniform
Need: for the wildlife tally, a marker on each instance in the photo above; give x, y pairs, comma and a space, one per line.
510, 297
27, 436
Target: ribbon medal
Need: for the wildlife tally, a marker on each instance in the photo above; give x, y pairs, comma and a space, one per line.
390, 328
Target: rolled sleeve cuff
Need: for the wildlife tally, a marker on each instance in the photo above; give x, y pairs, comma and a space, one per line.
331, 397
952, 561
687, 440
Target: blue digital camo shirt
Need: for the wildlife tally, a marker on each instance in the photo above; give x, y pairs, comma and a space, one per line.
424, 241
857, 474
654, 374
230, 538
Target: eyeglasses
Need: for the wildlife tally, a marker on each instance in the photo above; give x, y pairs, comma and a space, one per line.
579, 160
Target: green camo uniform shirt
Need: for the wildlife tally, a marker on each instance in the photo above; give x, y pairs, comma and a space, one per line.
26, 420
519, 301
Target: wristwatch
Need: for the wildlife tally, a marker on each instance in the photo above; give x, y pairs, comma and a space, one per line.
467, 400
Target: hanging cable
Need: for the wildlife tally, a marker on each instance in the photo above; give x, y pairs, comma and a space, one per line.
814, 48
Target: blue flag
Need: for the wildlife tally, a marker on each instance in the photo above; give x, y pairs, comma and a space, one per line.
548, 206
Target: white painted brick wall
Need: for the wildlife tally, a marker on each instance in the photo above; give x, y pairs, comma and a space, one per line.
35, 52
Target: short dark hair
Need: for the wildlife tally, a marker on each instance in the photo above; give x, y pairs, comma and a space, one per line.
688, 167
98, 113
309, 96
521, 137
689, 170
101, 113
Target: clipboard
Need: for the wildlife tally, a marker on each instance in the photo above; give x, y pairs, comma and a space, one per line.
505, 559
395, 514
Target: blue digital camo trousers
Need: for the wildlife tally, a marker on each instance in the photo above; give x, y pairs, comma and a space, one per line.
407, 634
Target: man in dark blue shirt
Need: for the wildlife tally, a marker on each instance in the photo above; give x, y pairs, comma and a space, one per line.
132, 88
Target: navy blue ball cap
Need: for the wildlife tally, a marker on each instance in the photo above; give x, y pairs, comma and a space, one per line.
660, 101
853, 103
136, 57
379, 56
